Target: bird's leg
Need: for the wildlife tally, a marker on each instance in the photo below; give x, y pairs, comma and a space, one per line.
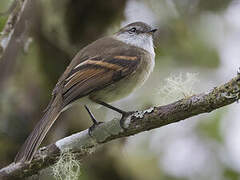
112, 107
95, 122
123, 113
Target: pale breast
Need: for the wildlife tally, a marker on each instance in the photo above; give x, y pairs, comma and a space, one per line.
130, 83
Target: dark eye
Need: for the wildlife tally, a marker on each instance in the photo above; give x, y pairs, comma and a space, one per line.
133, 30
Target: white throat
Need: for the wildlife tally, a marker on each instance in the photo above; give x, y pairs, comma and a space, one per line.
142, 41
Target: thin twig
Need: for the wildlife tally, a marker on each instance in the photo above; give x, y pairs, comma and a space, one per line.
13, 37
16, 9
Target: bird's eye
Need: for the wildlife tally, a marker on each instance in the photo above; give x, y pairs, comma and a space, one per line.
133, 30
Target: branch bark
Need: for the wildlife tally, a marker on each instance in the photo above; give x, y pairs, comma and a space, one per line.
135, 122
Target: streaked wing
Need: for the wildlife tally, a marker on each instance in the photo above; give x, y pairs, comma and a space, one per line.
97, 73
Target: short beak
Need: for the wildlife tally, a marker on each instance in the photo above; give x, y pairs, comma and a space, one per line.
152, 31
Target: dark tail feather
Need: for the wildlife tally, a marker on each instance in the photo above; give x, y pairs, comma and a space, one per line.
36, 137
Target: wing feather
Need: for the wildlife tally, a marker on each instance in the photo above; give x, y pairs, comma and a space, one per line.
97, 81
96, 73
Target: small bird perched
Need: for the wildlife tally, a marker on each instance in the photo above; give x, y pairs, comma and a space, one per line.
106, 70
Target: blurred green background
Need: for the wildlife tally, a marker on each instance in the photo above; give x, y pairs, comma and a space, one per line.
195, 36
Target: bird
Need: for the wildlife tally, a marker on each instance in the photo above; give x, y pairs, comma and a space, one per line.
102, 72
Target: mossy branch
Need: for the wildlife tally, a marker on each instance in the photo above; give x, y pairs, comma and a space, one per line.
83, 145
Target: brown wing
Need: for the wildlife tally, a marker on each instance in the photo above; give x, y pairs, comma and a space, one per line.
97, 73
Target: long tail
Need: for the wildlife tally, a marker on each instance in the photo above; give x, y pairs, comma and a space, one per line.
36, 137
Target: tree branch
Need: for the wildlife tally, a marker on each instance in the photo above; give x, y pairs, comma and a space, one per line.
83, 145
